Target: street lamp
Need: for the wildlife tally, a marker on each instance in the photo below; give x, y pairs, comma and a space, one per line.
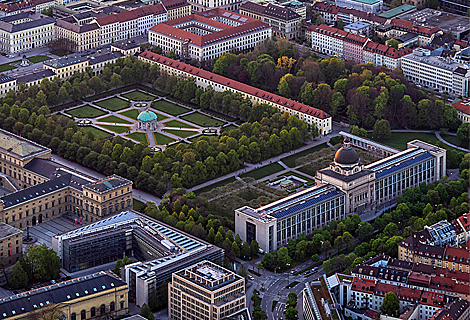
288, 265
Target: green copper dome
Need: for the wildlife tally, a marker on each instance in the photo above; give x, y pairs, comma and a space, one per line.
147, 115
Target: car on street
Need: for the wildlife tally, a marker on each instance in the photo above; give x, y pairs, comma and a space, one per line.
315, 269
250, 277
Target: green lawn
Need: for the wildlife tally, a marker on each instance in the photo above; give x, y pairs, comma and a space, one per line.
96, 132
161, 139
228, 128
6, 66
114, 119
177, 124
202, 120
138, 96
215, 185
132, 113
117, 129
86, 111
113, 104
37, 59
290, 160
263, 171
399, 140
310, 181
181, 133
139, 136
454, 140
137, 205
169, 107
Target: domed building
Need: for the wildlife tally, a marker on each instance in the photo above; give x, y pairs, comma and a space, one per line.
346, 160
147, 120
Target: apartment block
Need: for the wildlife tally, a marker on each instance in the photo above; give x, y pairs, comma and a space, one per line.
205, 291
205, 78
284, 22
332, 13
205, 36
176, 8
25, 31
203, 5
11, 245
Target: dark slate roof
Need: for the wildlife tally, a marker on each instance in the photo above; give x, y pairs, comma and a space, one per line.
58, 293
4, 78
6, 23
64, 61
38, 75
461, 71
271, 10
345, 178
63, 180
108, 56
43, 167
106, 184
7, 230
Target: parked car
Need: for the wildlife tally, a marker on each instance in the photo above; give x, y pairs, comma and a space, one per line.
251, 277
261, 251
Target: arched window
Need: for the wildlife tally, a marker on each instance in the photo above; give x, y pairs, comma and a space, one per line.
92, 312
111, 306
73, 316
102, 309
83, 315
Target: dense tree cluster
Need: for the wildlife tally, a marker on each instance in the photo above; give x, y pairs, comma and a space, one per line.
37, 264
362, 92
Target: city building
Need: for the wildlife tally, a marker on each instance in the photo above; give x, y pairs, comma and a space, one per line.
25, 31
205, 36
369, 6
176, 8
440, 73
397, 11
9, 8
7, 83
359, 27
353, 46
205, 78
463, 109
460, 7
395, 28
296, 6
345, 187
382, 55
332, 13
95, 296
34, 78
11, 245
441, 234
83, 35
461, 226
203, 5
69, 9
127, 48
284, 22
205, 291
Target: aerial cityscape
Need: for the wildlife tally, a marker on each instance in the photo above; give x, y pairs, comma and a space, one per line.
235, 159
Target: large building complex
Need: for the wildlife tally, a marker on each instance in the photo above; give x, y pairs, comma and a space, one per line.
11, 245
205, 291
25, 31
369, 6
345, 187
42, 189
284, 22
333, 13
99, 295
437, 72
203, 5
456, 6
205, 78
205, 36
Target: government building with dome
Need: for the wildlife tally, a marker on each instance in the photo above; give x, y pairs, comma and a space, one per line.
345, 187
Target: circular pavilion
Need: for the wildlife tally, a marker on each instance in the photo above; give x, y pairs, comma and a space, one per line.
147, 120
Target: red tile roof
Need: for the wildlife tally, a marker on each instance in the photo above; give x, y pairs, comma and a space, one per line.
131, 14
464, 106
363, 285
461, 43
248, 25
457, 255
274, 98
370, 314
408, 25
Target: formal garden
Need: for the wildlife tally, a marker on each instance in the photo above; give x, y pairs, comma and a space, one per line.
118, 115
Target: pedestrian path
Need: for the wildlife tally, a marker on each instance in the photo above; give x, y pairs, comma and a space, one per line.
438, 135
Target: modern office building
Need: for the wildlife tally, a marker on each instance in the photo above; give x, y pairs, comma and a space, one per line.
345, 187
159, 250
205, 291
284, 22
440, 73
206, 35
460, 7
369, 6
205, 78
332, 13
99, 295
25, 31
11, 245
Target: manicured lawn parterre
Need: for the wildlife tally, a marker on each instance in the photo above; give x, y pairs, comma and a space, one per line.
161, 139
132, 113
117, 129
181, 133
177, 124
8, 66
138, 96
36, 59
290, 160
263, 171
169, 107
139, 136
113, 119
96, 132
202, 120
113, 104
86, 111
